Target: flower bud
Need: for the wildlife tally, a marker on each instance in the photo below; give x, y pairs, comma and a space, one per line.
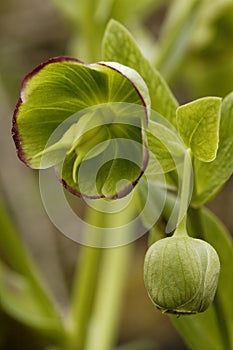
181, 274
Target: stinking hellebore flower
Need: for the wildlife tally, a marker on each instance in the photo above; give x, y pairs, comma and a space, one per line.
181, 274
86, 120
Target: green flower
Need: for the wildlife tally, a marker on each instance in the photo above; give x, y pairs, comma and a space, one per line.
81, 118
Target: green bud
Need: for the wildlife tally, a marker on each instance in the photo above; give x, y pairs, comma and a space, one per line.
181, 274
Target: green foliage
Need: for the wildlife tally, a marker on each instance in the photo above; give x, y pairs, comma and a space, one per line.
214, 328
139, 345
119, 45
207, 68
19, 298
22, 292
210, 177
86, 16
198, 125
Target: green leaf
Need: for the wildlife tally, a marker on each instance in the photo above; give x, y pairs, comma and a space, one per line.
214, 328
212, 176
198, 125
166, 148
68, 109
199, 331
217, 235
118, 45
19, 299
24, 270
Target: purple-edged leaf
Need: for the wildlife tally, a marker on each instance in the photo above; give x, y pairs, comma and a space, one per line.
68, 112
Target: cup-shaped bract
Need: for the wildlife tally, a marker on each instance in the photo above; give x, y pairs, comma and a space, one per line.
181, 274
70, 112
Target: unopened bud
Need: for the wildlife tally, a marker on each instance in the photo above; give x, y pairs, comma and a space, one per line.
181, 274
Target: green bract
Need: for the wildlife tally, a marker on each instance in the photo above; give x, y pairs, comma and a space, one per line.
198, 125
212, 176
88, 121
181, 274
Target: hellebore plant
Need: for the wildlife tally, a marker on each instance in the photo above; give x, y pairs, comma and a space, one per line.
118, 119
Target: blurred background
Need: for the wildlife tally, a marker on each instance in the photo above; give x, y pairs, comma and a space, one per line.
198, 62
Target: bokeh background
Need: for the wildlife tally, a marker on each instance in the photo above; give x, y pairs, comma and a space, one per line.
201, 63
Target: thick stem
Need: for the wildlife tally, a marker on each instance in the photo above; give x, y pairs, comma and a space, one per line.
107, 308
105, 319
85, 281
84, 285
98, 287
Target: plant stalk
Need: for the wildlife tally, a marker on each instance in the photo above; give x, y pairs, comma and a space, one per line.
108, 301
184, 196
175, 37
84, 286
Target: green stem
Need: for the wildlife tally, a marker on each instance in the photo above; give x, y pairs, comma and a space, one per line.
85, 281
105, 319
86, 41
107, 308
84, 285
181, 228
175, 37
186, 189
186, 186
